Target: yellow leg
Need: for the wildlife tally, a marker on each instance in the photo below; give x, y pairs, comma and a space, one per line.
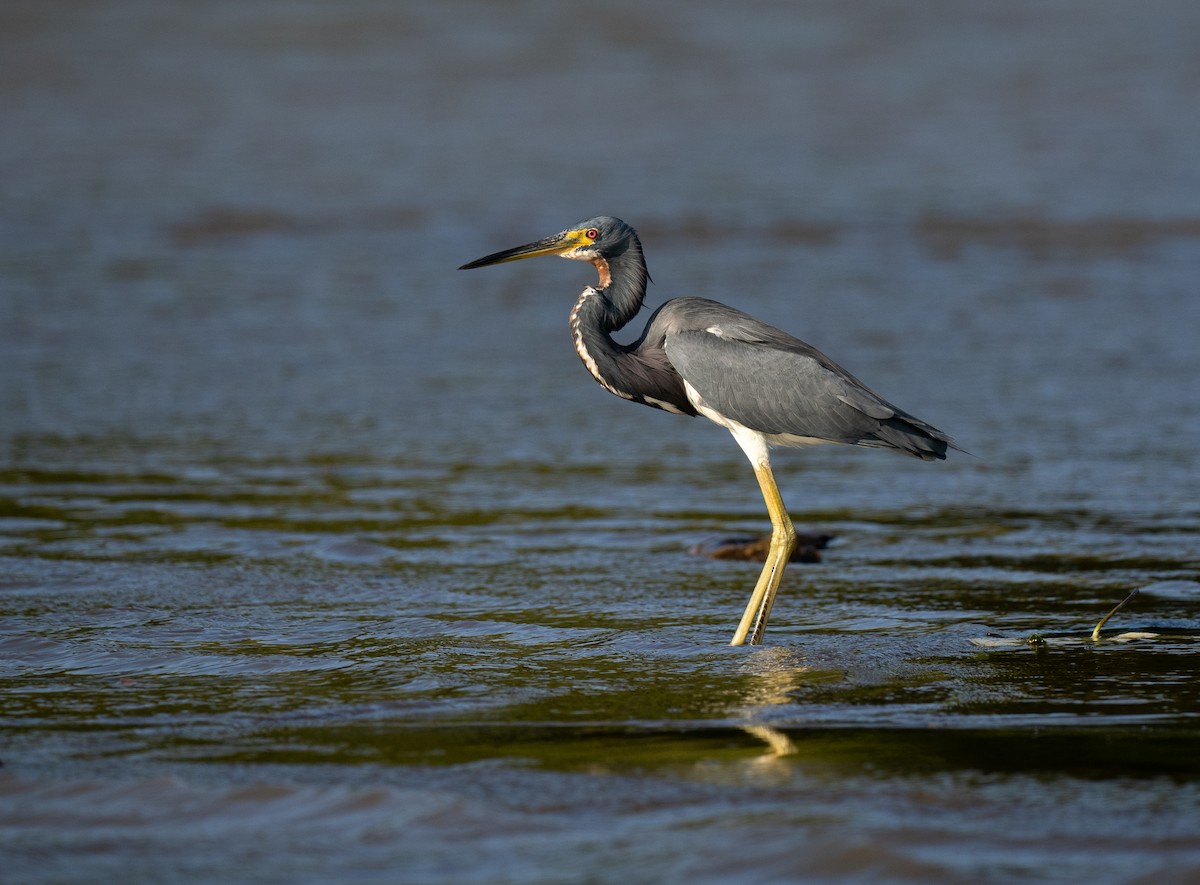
783, 544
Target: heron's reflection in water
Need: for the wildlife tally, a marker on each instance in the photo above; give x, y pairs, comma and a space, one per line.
778, 673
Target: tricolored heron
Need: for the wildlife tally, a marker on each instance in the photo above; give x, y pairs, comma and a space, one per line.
699, 357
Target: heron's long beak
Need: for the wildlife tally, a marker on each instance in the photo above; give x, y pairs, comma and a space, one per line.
555, 245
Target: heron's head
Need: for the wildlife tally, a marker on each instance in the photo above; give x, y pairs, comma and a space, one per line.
602, 237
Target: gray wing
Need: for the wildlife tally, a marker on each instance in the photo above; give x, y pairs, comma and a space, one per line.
771, 382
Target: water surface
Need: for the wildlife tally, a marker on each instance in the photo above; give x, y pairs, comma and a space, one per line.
321, 561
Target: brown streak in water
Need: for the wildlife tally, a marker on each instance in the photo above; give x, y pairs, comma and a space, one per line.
1041, 238
224, 223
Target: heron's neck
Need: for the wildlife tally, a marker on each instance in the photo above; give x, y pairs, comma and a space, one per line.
603, 310
622, 288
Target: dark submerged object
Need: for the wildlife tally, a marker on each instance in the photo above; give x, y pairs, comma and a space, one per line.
756, 549
700, 357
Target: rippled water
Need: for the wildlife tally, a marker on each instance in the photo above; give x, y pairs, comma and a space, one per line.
321, 561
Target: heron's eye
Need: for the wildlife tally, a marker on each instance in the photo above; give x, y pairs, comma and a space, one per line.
591, 233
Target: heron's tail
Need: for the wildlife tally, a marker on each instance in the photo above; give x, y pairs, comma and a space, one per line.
913, 437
